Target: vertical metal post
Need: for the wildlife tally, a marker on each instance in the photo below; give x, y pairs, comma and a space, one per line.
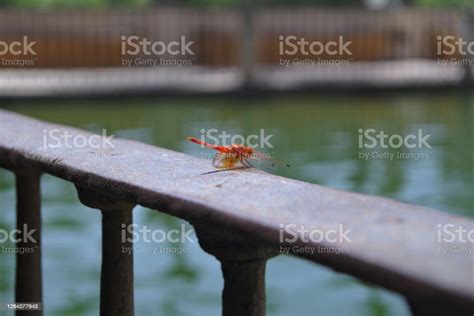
247, 47
116, 280
244, 287
468, 35
28, 285
436, 305
243, 268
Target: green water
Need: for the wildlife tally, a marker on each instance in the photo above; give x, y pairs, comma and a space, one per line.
317, 135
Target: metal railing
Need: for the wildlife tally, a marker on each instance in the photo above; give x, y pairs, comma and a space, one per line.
237, 216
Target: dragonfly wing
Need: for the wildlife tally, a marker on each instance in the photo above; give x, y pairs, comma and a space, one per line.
219, 160
226, 160
265, 160
246, 163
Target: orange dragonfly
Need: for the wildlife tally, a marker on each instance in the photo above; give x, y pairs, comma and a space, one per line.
236, 156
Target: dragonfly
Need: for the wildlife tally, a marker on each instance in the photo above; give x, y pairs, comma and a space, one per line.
236, 156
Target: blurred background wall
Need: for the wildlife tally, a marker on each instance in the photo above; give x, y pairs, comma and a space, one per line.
92, 38
237, 44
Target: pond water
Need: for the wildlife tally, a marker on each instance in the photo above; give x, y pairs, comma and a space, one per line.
317, 135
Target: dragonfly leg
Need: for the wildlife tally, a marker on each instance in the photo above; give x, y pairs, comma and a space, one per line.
228, 169
246, 163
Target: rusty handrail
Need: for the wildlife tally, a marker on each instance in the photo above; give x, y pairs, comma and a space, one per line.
239, 215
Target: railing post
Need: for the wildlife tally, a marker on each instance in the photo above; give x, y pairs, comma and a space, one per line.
116, 280
468, 34
436, 305
28, 284
248, 47
243, 268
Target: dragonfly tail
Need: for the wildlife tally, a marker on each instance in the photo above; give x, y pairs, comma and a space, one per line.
203, 143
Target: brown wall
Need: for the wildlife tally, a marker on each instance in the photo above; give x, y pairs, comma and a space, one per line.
93, 38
